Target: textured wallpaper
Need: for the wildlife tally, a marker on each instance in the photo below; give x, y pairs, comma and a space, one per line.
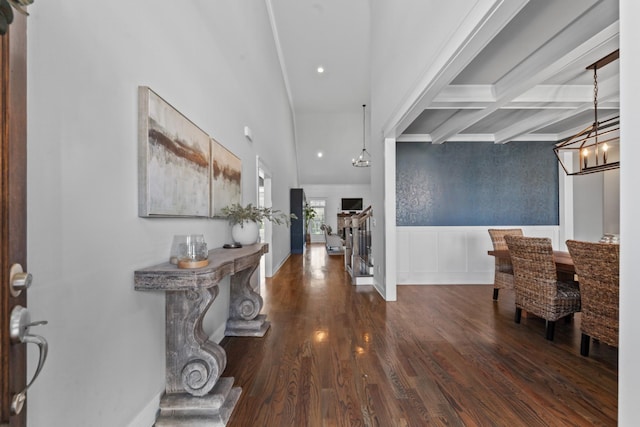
462, 183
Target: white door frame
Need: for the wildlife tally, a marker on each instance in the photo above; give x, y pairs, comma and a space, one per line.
263, 169
390, 268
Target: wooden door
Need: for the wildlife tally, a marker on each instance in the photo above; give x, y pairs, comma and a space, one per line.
13, 180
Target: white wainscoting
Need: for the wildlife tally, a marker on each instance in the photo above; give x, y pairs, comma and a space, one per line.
453, 255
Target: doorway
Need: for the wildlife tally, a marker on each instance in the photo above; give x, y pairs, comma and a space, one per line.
266, 230
314, 230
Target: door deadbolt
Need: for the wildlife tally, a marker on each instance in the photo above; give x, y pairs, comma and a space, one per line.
18, 280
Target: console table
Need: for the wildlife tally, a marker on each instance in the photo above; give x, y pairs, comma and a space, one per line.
195, 394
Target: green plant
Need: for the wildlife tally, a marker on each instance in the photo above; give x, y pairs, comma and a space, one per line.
309, 214
237, 214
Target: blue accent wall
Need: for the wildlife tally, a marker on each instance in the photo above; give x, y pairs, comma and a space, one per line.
464, 184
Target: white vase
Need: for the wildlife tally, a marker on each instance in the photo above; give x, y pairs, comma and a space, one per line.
245, 234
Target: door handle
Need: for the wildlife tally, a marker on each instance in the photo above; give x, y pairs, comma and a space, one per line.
19, 326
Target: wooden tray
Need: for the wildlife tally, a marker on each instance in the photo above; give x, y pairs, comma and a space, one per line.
193, 264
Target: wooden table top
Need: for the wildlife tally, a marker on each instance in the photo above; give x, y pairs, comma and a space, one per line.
564, 262
222, 262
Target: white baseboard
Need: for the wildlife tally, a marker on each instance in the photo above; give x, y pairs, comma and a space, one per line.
378, 288
363, 280
445, 278
218, 334
274, 270
147, 417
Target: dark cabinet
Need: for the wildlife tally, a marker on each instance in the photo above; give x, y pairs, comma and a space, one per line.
297, 225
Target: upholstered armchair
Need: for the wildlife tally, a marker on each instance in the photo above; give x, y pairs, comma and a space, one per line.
503, 276
536, 285
597, 266
333, 242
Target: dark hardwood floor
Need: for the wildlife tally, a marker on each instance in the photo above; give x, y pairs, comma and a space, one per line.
338, 355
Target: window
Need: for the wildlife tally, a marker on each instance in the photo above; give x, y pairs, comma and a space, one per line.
318, 206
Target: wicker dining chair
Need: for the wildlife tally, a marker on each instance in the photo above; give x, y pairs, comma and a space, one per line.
503, 276
597, 266
536, 285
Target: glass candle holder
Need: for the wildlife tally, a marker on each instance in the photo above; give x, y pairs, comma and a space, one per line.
189, 251
177, 247
194, 249
193, 253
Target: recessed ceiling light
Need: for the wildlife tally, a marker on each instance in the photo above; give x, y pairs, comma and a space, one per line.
319, 154
320, 69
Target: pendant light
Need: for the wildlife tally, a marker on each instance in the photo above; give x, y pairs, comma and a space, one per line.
596, 148
364, 159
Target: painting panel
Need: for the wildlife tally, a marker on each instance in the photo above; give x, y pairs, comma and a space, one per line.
226, 174
173, 166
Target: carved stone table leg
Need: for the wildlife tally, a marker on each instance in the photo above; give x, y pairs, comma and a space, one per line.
195, 394
244, 307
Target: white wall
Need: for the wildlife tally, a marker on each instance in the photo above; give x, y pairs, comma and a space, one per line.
596, 205
402, 52
588, 219
213, 61
452, 255
629, 371
611, 201
335, 133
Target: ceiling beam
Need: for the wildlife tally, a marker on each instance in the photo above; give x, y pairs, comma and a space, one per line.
470, 97
608, 90
551, 59
536, 121
479, 137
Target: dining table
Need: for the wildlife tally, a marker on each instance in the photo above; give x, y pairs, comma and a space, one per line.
564, 263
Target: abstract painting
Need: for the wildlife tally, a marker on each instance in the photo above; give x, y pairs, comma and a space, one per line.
174, 161
226, 174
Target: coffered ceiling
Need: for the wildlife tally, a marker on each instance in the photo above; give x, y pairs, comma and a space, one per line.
529, 82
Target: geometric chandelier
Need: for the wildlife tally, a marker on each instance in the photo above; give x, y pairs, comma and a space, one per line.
364, 159
596, 148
